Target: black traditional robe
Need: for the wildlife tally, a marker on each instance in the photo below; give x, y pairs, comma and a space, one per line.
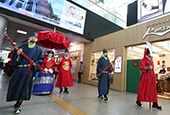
104, 79
20, 84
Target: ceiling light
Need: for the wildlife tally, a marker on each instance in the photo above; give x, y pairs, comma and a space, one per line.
71, 44
21, 32
8, 48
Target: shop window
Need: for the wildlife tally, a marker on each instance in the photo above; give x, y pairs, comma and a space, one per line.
94, 59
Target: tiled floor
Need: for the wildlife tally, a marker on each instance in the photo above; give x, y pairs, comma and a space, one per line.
84, 97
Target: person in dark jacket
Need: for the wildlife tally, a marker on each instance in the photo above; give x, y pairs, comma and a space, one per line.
104, 79
20, 84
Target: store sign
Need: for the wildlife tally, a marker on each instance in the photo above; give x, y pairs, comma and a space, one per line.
118, 64
73, 54
157, 31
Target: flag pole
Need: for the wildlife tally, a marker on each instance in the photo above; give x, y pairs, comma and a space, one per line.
150, 86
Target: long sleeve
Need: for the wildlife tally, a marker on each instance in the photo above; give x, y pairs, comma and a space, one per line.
16, 59
99, 66
40, 59
59, 64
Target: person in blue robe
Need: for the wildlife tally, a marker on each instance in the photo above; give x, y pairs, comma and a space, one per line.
104, 79
20, 84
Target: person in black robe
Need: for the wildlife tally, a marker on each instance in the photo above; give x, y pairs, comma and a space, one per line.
20, 84
104, 79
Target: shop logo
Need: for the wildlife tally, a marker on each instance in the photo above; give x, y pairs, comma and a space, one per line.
154, 31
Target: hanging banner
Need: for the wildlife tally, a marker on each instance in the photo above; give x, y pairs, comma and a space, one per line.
118, 65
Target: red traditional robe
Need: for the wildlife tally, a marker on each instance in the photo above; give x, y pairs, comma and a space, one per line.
48, 64
64, 76
144, 82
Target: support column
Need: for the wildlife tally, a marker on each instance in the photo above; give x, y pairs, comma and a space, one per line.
3, 25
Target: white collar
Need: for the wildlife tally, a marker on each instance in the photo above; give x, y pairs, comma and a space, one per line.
48, 59
148, 57
66, 57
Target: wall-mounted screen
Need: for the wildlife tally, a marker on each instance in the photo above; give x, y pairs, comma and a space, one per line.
57, 12
151, 8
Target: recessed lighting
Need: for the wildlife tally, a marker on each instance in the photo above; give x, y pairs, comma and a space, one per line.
8, 48
21, 32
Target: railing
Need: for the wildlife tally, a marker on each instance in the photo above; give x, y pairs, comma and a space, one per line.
112, 16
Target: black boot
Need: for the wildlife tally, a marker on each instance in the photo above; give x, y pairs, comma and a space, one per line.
106, 99
139, 103
156, 106
61, 90
66, 90
17, 109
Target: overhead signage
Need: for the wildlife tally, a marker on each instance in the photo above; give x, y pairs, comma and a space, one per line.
57, 12
160, 31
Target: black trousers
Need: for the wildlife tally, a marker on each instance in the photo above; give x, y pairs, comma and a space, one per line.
79, 76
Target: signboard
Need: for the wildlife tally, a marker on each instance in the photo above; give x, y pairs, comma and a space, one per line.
151, 8
118, 64
57, 12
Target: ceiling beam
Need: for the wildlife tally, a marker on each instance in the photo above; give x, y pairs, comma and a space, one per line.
135, 52
143, 49
133, 55
161, 48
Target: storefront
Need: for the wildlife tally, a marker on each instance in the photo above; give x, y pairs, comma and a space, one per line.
156, 30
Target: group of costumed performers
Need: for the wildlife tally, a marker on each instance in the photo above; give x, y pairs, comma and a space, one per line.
103, 79
20, 85
44, 82
144, 88
64, 78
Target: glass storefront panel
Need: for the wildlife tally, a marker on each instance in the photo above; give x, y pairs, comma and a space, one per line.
94, 59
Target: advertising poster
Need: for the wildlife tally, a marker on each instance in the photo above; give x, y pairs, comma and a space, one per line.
167, 6
57, 12
118, 64
149, 8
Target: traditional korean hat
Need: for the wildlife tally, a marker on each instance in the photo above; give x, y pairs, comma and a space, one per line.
147, 51
66, 50
33, 34
50, 51
105, 51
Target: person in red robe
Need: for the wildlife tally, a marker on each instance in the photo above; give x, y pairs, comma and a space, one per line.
44, 82
49, 62
144, 82
64, 76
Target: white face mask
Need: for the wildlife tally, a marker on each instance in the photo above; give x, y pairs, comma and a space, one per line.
164, 66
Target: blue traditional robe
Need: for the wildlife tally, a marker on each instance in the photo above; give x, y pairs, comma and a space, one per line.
104, 79
20, 84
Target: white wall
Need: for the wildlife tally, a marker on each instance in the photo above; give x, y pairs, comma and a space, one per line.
76, 48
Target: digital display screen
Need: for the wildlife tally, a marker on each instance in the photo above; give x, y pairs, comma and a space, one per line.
151, 8
57, 12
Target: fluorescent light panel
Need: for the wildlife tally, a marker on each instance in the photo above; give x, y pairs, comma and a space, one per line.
21, 32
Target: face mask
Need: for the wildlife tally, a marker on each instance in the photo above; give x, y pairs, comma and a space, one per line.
163, 66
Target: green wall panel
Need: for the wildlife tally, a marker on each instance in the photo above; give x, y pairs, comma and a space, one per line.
133, 75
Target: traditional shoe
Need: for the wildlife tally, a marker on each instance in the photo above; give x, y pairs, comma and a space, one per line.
67, 92
139, 103
61, 90
106, 99
17, 110
100, 97
157, 107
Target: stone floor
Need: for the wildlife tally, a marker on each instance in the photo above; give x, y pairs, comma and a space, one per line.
83, 97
